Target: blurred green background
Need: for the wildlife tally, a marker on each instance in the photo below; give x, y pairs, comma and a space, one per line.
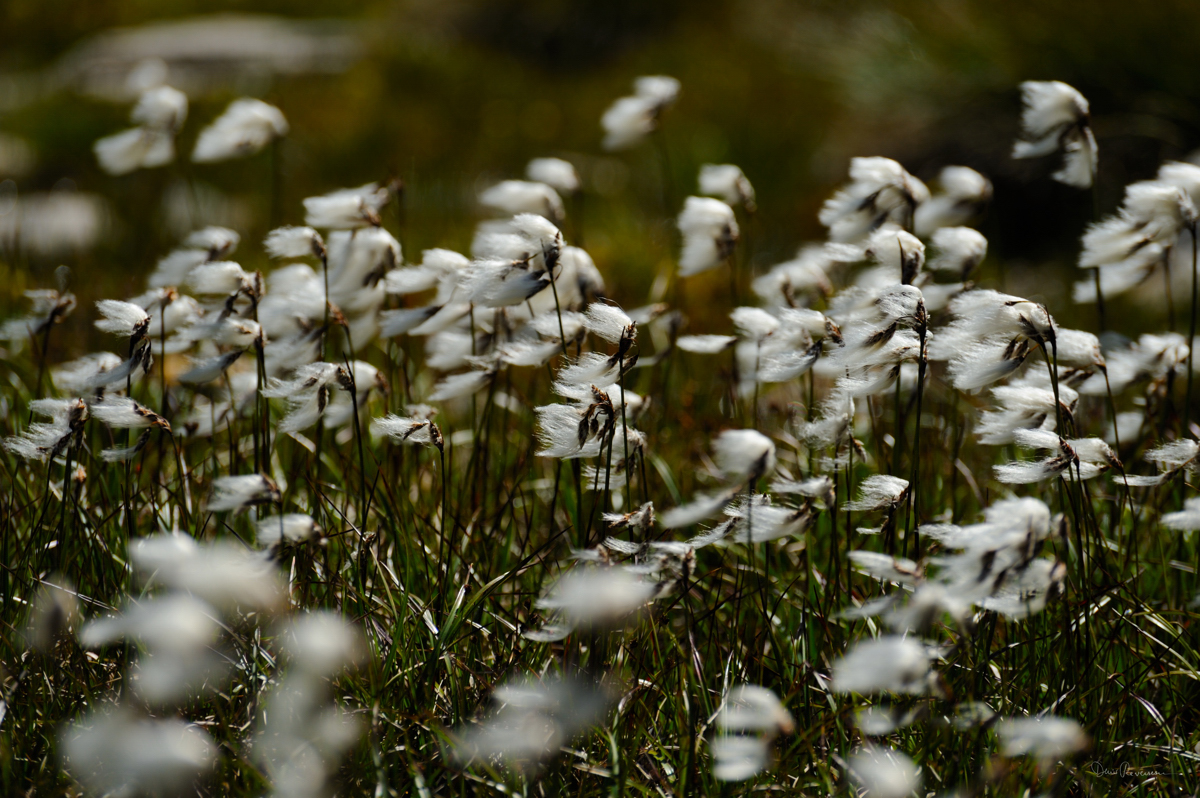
450, 95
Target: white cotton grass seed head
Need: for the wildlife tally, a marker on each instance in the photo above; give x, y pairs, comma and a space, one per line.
884, 773
965, 194
608, 322
347, 208
739, 757
709, 230
121, 412
596, 597
523, 196
877, 492
1056, 118
560, 175
322, 644
237, 492
728, 183
959, 250
273, 530
122, 318
174, 622
1047, 738
880, 190
630, 119
117, 752
754, 324
706, 344
245, 128
744, 454
226, 575
751, 708
294, 242
161, 108
892, 664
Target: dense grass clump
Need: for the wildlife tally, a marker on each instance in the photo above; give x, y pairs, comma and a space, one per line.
360, 522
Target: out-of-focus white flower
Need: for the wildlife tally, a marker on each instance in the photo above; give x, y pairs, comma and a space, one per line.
959, 250
1048, 739
323, 644
965, 193
560, 175
347, 208
591, 597
884, 773
246, 127
1056, 118
115, 752
224, 574
294, 242
727, 182
533, 719
886, 664
288, 528
744, 454
523, 196
159, 113
709, 230
630, 119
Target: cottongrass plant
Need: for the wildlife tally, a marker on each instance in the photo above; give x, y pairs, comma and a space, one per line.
869, 528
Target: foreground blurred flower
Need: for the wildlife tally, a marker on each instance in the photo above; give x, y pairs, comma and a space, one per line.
884, 773
1047, 738
533, 719
748, 722
593, 598
115, 752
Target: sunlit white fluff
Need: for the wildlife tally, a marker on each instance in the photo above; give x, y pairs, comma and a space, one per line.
122, 318
227, 575
236, 492
272, 530
744, 454
588, 597
294, 242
